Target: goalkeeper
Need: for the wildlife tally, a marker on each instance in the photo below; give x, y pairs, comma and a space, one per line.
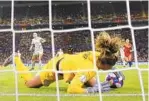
106, 56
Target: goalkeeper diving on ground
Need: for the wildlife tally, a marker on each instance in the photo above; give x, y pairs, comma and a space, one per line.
106, 57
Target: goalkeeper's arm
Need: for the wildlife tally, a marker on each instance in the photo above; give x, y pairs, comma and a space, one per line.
104, 87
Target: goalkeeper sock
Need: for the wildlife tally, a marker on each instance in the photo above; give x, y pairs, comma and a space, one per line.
20, 67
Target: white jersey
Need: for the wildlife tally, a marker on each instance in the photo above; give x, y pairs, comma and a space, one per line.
38, 49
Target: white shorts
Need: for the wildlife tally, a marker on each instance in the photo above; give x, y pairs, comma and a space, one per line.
38, 53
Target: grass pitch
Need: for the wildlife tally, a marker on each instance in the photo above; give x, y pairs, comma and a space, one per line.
131, 91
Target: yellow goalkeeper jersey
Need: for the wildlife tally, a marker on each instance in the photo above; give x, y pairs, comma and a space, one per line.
72, 62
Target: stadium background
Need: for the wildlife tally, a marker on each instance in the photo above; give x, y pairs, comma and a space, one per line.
68, 15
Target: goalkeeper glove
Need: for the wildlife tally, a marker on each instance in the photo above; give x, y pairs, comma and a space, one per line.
104, 86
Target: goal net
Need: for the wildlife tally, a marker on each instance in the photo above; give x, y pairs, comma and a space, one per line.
81, 36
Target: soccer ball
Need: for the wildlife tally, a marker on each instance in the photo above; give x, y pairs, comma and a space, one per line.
115, 81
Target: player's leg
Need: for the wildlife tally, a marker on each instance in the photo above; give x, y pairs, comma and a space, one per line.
34, 58
47, 77
7, 61
123, 59
21, 67
31, 82
40, 62
42, 78
126, 60
130, 60
35, 82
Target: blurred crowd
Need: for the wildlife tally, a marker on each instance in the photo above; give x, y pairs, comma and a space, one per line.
75, 13
70, 42
101, 12
5, 21
141, 38
69, 14
36, 20
5, 45
73, 42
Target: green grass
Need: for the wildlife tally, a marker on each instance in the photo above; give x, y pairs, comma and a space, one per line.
131, 86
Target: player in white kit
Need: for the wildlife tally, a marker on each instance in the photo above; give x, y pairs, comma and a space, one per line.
38, 49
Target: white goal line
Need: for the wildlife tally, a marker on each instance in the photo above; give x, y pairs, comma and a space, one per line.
67, 95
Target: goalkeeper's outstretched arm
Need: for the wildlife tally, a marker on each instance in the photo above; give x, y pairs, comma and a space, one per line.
92, 86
